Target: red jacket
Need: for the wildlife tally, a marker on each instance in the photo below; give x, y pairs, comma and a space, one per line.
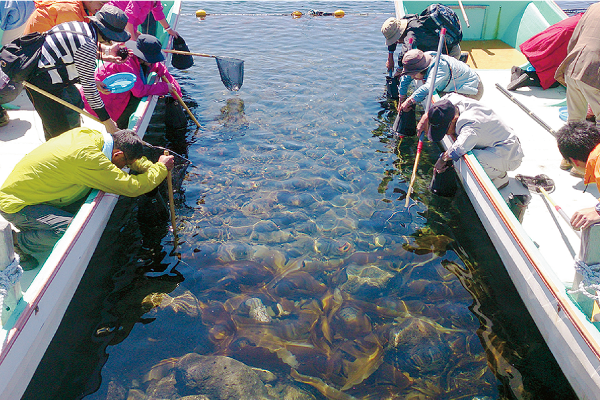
546, 50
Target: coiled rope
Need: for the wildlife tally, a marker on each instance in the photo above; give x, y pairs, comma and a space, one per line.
9, 277
590, 281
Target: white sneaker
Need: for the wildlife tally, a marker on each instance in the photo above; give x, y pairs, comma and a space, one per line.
501, 181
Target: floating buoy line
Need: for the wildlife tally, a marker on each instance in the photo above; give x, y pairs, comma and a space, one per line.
202, 14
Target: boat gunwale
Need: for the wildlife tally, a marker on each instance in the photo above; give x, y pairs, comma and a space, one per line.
533, 276
74, 234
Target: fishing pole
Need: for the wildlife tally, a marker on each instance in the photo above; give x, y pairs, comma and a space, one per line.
527, 110
427, 106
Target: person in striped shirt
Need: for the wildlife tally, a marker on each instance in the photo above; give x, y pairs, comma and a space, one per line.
69, 56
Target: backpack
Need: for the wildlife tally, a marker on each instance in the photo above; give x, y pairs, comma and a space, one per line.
19, 58
438, 16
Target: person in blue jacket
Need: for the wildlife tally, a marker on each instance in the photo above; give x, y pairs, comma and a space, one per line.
452, 76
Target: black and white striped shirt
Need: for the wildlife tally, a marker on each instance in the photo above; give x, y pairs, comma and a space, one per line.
68, 54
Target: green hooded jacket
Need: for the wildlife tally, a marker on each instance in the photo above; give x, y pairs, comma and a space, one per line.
64, 169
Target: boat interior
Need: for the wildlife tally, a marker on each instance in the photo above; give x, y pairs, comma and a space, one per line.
492, 55
23, 133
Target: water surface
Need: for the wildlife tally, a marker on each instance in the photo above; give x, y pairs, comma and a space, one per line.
296, 252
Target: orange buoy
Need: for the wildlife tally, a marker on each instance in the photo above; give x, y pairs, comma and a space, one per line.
339, 13
296, 14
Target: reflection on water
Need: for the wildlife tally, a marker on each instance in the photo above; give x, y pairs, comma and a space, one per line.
300, 272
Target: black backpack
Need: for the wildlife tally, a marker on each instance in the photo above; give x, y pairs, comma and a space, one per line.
438, 16
19, 58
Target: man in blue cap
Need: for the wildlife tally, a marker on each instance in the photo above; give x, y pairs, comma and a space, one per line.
475, 128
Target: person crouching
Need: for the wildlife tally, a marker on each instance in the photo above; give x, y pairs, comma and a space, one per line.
147, 58
477, 128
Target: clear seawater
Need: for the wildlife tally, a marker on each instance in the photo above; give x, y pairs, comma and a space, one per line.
296, 204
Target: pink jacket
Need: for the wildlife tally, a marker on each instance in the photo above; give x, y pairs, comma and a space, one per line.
137, 11
115, 103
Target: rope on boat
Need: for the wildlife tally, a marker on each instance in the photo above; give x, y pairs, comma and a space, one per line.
9, 277
590, 281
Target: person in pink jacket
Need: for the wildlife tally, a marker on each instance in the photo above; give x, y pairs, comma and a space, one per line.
147, 57
137, 11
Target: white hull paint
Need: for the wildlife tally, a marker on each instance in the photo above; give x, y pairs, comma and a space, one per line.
46, 299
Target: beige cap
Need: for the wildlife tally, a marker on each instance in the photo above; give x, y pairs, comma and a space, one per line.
415, 61
393, 29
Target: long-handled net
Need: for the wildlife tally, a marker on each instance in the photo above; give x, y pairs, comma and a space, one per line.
231, 69
232, 72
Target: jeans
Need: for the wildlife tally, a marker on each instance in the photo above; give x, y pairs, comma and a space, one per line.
41, 226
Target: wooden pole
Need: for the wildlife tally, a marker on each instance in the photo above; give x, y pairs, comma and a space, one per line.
427, 106
171, 203
187, 53
180, 100
61, 101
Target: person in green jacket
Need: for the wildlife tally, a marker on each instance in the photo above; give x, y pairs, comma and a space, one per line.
46, 188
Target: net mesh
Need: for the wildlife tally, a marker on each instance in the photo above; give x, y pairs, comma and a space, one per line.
232, 72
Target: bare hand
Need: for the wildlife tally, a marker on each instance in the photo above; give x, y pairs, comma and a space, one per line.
102, 88
406, 105
172, 32
441, 165
111, 53
584, 218
169, 161
110, 125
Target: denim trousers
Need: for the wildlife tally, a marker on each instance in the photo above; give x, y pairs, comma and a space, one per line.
40, 226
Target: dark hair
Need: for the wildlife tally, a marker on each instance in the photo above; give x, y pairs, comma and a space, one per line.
576, 140
129, 143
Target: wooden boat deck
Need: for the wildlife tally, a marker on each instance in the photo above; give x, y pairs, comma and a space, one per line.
491, 54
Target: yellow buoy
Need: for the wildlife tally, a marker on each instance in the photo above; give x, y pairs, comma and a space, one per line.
296, 14
200, 14
339, 13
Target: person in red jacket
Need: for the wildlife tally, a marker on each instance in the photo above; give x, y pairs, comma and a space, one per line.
544, 51
146, 57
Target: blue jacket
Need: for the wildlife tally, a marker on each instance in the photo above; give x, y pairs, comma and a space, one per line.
452, 76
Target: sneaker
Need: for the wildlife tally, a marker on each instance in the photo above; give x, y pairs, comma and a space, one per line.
3, 117
577, 172
515, 72
521, 81
501, 181
565, 164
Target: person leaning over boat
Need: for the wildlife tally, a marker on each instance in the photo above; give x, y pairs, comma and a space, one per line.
579, 142
147, 58
137, 11
477, 128
69, 56
545, 51
424, 36
579, 70
60, 173
452, 76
